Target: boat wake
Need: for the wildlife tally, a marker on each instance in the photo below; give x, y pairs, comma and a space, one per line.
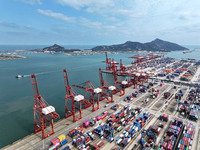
41, 73
48, 72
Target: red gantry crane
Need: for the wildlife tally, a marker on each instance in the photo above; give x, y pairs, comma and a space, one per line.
122, 67
136, 76
93, 93
114, 65
73, 100
43, 112
152, 56
110, 63
121, 85
110, 89
142, 77
138, 59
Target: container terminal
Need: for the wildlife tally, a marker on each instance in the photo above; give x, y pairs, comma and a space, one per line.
153, 104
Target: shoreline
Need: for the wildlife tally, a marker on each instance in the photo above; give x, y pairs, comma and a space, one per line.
10, 57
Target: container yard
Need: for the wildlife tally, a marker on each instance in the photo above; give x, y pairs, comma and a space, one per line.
152, 104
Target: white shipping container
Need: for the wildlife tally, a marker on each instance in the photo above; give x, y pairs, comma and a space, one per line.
97, 90
48, 110
78, 97
118, 141
126, 134
124, 82
129, 139
111, 88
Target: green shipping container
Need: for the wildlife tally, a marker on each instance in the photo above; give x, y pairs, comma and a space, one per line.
119, 128
133, 112
52, 147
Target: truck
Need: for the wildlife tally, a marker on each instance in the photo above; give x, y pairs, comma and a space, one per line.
146, 100
167, 94
164, 117
91, 135
129, 97
115, 107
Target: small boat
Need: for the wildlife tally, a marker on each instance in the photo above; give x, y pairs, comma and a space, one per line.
187, 52
19, 76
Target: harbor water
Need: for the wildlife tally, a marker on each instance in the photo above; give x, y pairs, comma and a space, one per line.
16, 96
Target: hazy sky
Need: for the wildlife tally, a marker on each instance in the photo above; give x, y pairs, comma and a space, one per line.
97, 22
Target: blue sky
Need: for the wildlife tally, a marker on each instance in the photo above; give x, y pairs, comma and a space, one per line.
98, 22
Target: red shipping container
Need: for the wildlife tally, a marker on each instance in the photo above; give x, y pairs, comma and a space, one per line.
71, 132
142, 124
100, 144
143, 119
95, 147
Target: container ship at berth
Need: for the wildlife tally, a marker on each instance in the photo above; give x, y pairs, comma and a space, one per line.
151, 105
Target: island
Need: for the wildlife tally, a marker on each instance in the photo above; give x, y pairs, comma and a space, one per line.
155, 45
57, 49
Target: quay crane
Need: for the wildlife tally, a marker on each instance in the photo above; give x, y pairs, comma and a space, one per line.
110, 63
43, 112
152, 56
144, 58
110, 89
143, 77
121, 85
73, 100
134, 81
138, 59
122, 67
93, 93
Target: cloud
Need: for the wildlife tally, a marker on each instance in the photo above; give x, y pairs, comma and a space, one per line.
8, 24
15, 26
97, 25
31, 2
77, 4
187, 15
28, 27
55, 15
81, 20
87, 23
129, 13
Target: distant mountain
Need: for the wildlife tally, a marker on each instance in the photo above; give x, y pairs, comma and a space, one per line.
156, 45
58, 48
